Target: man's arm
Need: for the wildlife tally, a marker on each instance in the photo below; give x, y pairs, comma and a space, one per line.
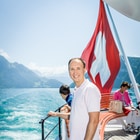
62, 115
92, 125
65, 108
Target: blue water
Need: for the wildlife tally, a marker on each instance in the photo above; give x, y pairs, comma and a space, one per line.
22, 109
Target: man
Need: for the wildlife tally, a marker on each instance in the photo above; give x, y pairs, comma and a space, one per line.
65, 93
85, 109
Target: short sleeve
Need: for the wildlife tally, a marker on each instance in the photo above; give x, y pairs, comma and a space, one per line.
93, 98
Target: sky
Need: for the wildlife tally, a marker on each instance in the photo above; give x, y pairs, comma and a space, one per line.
44, 34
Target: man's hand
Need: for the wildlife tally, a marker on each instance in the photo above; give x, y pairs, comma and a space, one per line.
52, 113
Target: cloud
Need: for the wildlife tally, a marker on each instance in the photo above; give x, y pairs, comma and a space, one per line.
48, 71
3, 53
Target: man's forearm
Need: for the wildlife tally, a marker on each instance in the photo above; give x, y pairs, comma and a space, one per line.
63, 115
92, 125
91, 130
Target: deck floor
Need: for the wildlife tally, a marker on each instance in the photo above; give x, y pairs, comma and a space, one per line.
119, 135
114, 131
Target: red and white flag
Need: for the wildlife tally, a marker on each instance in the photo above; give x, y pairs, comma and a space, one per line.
101, 54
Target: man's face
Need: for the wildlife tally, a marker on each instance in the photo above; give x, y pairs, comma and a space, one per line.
63, 96
76, 71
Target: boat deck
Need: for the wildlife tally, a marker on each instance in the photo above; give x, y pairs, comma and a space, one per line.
114, 131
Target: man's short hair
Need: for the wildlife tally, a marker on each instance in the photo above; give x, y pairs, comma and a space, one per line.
78, 58
64, 89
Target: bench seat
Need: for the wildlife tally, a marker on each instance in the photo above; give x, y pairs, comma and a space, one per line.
105, 115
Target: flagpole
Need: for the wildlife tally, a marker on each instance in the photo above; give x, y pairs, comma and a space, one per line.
130, 72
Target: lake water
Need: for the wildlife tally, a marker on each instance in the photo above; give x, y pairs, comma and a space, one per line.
22, 109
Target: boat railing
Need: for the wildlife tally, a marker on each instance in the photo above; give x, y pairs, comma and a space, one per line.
58, 123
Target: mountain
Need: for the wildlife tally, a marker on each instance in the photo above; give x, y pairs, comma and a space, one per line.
123, 74
14, 75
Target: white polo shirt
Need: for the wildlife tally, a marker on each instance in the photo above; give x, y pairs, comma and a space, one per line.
86, 99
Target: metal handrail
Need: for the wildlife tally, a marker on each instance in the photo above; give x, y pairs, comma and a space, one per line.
42, 121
